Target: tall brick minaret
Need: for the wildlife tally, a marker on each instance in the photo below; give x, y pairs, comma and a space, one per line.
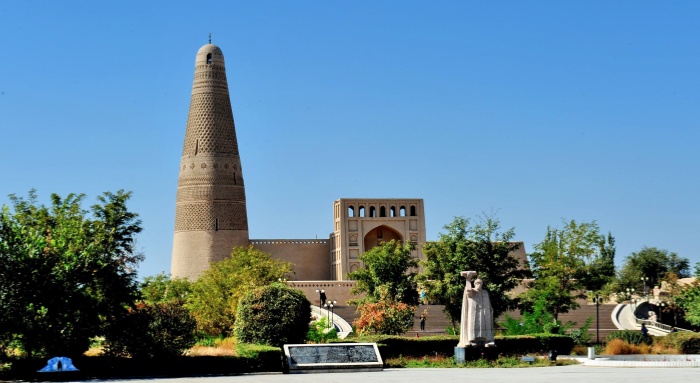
210, 214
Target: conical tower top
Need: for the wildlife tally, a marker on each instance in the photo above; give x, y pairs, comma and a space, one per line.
210, 214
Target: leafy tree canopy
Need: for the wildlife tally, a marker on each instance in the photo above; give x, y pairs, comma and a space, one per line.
566, 263
65, 274
162, 288
387, 274
653, 264
214, 296
481, 247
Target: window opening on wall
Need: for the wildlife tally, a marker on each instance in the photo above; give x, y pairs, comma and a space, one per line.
196, 147
380, 234
372, 212
413, 211
382, 211
392, 212
208, 58
216, 224
362, 211
402, 211
351, 211
234, 179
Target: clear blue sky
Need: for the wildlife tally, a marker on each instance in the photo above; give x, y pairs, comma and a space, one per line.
537, 110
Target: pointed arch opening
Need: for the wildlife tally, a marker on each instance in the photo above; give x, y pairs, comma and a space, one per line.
351, 211
379, 235
402, 211
362, 211
208, 58
392, 211
382, 211
372, 212
413, 210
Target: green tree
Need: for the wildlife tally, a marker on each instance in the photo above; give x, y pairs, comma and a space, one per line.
387, 274
562, 265
214, 297
601, 268
65, 276
275, 314
689, 301
162, 288
481, 247
654, 264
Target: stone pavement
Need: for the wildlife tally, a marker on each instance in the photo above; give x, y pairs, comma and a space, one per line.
563, 374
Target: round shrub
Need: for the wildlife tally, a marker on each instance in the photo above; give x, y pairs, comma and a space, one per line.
273, 315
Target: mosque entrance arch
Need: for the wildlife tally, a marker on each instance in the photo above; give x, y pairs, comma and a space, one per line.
379, 235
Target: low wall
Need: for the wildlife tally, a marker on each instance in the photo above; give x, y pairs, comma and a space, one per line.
335, 290
310, 257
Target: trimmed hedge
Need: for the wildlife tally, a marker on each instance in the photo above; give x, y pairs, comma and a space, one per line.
254, 358
395, 346
275, 315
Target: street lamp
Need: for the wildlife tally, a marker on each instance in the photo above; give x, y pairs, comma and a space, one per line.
321, 297
598, 300
628, 293
330, 305
645, 280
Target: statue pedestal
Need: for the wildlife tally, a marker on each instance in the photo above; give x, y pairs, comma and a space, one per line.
464, 354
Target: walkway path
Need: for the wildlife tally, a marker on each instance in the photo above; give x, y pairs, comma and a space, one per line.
578, 374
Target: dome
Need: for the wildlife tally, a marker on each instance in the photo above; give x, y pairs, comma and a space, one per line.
209, 54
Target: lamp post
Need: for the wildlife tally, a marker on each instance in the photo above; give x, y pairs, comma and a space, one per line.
661, 311
645, 280
321, 293
598, 300
331, 304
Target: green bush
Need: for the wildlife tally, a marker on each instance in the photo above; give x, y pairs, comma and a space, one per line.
273, 315
631, 337
152, 331
686, 342
320, 331
534, 343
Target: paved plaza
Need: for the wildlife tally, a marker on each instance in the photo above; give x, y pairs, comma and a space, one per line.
564, 374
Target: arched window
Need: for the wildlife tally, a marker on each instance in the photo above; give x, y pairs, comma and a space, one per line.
208, 58
382, 211
413, 211
402, 211
362, 211
372, 212
392, 212
351, 211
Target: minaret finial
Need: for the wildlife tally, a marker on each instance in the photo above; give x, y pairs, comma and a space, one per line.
209, 37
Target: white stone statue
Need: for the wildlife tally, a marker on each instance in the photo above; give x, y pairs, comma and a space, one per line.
476, 325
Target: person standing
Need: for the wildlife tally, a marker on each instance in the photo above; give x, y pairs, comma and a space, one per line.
422, 322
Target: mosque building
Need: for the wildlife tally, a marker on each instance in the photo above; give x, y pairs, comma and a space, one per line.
211, 216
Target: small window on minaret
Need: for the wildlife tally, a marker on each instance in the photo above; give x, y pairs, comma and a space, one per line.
208, 58
234, 179
216, 225
196, 147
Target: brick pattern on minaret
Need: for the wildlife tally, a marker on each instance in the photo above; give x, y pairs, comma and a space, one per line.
210, 214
